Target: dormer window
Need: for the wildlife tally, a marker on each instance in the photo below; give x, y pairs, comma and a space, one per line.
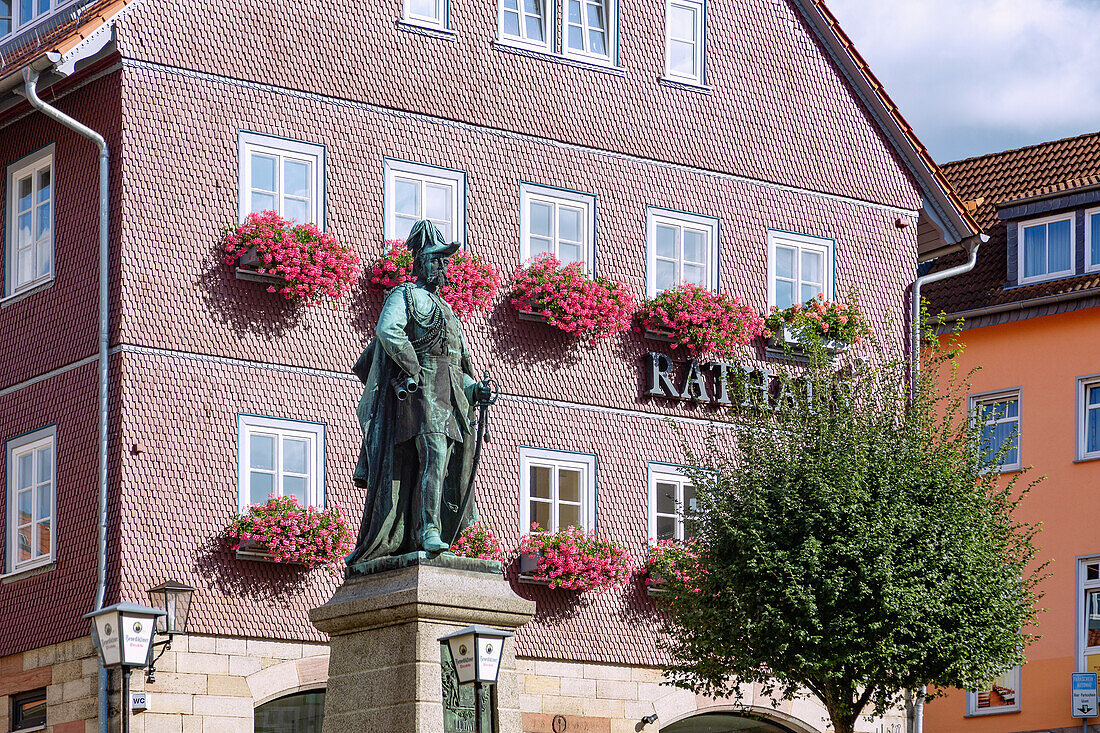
15, 15
1092, 240
1046, 248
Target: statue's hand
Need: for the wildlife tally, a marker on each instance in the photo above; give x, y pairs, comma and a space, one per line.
483, 393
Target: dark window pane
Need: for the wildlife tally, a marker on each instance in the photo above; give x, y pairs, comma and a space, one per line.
299, 713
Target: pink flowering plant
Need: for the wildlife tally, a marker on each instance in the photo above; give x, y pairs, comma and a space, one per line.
308, 264
820, 320
394, 267
292, 533
480, 542
589, 307
472, 283
701, 321
672, 562
576, 560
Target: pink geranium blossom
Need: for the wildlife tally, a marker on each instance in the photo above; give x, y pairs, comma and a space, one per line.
820, 318
589, 307
310, 264
292, 533
574, 559
472, 283
701, 321
478, 541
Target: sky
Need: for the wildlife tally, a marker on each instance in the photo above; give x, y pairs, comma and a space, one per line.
982, 76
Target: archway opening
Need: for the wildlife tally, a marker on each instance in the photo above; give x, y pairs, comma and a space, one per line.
725, 723
301, 712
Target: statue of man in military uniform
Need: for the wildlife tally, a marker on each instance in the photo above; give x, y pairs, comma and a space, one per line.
417, 414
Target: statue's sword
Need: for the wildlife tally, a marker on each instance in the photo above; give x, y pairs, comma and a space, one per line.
483, 418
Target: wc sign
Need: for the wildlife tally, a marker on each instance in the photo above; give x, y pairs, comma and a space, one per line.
1083, 694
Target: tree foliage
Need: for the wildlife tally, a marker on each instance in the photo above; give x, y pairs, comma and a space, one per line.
853, 542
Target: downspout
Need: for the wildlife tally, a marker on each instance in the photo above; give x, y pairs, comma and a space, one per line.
30, 81
934, 277
916, 709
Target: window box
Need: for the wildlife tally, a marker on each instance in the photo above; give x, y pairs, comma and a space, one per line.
573, 559
667, 337
787, 337
527, 566
257, 551
248, 266
528, 315
585, 306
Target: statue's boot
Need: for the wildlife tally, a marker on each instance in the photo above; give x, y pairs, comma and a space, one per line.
430, 541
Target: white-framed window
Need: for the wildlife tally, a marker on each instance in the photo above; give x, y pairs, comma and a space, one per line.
18, 15
415, 192
1088, 417
998, 415
280, 457
680, 248
670, 494
31, 499
285, 176
999, 695
685, 40
1092, 240
557, 489
799, 267
1088, 614
1045, 248
589, 29
432, 13
30, 227
526, 22
558, 222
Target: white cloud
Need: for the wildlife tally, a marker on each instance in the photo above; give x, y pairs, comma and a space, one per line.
975, 76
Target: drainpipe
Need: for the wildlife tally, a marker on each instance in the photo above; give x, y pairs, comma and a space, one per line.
933, 277
916, 711
30, 81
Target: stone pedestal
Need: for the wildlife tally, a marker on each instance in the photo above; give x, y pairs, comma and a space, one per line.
384, 624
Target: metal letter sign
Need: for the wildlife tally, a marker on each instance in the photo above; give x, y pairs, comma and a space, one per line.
1083, 695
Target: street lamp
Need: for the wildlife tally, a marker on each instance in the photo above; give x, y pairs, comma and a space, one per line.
476, 651
174, 598
124, 633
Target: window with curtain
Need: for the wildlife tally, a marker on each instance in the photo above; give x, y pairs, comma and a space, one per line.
1046, 249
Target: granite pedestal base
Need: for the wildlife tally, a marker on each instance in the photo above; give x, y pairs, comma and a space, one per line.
384, 624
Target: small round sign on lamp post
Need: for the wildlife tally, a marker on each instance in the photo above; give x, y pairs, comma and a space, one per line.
124, 635
476, 651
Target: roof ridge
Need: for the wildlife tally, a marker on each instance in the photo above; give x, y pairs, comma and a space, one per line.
1021, 149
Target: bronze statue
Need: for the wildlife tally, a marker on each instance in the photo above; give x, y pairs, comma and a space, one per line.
419, 448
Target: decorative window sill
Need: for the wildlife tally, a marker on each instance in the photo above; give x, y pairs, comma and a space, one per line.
686, 86
558, 58
28, 573
423, 29
16, 297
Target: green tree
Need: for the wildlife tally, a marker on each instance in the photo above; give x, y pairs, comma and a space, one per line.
852, 543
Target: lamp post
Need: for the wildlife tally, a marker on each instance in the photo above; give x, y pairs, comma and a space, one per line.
124, 633
174, 598
476, 651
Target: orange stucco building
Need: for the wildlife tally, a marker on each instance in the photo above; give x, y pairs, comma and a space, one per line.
1031, 314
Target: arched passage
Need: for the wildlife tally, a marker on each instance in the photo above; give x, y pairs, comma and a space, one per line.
725, 722
301, 712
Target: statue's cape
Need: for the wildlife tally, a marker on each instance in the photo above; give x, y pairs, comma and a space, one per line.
392, 517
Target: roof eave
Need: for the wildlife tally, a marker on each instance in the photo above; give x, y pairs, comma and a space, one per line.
939, 199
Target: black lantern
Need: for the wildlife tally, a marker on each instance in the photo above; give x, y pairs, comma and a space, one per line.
476, 651
174, 598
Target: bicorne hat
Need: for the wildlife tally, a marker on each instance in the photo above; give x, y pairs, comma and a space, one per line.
425, 238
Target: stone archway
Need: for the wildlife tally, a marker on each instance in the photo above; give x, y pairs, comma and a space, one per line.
735, 719
287, 678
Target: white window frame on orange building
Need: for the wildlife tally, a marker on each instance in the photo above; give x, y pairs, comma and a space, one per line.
1084, 386
1086, 585
973, 697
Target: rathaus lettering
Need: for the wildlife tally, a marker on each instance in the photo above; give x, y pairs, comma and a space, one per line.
716, 383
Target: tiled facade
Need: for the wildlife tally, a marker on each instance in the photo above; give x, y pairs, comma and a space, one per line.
778, 141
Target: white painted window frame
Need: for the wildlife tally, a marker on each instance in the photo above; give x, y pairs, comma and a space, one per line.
283, 149
801, 242
548, 26
585, 462
18, 446
976, 401
19, 25
394, 168
710, 224
1021, 226
314, 432
672, 474
1090, 266
33, 164
611, 11
533, 192
1080, 609
442, 22
1083, 385
700, 10
973, 710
